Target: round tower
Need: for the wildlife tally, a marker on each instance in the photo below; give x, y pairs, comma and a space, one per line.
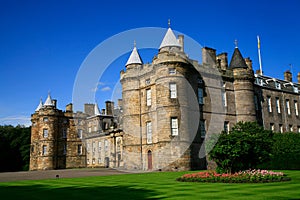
43, 136
243, 88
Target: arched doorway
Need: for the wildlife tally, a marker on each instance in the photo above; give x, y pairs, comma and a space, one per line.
149, 160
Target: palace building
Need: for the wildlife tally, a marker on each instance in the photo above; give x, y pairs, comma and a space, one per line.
168, 108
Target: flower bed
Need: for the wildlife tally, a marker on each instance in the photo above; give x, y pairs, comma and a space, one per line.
248, 176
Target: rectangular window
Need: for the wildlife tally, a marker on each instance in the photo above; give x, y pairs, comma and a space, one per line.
287, 102
45, 133
269, 104
291, 128
64, 133
173, 91
90, 129
278, 105
93, 161
174, 126
88, 161
296, 108
79, 149
88, 147
172, 71
149, 132
79, 133
65, 149
105, 145
280, 128
45, 119
256, 102
95, 128
44, 150
200, 95
148, 97
224, 98
226, 126
272, 128
99, 146
202, 128
94, 147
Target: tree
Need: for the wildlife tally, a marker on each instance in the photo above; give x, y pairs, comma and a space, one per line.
14, 148
246, 146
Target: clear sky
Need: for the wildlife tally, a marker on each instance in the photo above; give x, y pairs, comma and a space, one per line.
44, 43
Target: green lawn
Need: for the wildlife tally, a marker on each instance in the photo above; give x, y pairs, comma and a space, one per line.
158, 185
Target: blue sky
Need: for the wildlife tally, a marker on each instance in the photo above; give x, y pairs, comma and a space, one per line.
44, 43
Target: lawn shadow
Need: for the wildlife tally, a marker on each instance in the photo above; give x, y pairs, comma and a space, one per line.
39, 191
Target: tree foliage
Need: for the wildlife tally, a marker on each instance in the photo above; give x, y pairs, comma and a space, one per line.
14, 148
246, 146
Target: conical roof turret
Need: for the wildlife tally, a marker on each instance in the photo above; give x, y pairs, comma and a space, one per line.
134, 57
237, 60
40, 105
48, 101
169, 40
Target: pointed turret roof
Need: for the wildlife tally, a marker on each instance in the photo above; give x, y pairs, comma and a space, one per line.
48, 101
169, 40
134, 57
39, 106
237, 60
97, 111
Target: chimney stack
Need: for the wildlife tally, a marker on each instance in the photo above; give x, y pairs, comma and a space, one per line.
89, 109
223, 60
181, 42
69, 107
288, 76
248, 62
109, 107
209, 56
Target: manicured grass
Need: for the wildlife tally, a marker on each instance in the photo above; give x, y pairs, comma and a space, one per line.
158, 185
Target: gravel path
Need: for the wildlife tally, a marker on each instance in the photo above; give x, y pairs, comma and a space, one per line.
51, 174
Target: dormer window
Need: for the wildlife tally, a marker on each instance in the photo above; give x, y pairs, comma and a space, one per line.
295, 88
259, 81
277, 85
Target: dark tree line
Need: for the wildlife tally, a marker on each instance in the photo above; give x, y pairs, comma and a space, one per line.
14, 148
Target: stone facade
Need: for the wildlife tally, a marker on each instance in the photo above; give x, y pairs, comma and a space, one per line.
168, 108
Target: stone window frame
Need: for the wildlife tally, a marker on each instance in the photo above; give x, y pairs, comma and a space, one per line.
269, 104
174, 126
44, 150
288, 106
296, 108
79, 149
172, 71
280, 128
79, 133
45, 133
272, 127
173, 90
149, 132
226, 126
148, 97
45, 119
277, 104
